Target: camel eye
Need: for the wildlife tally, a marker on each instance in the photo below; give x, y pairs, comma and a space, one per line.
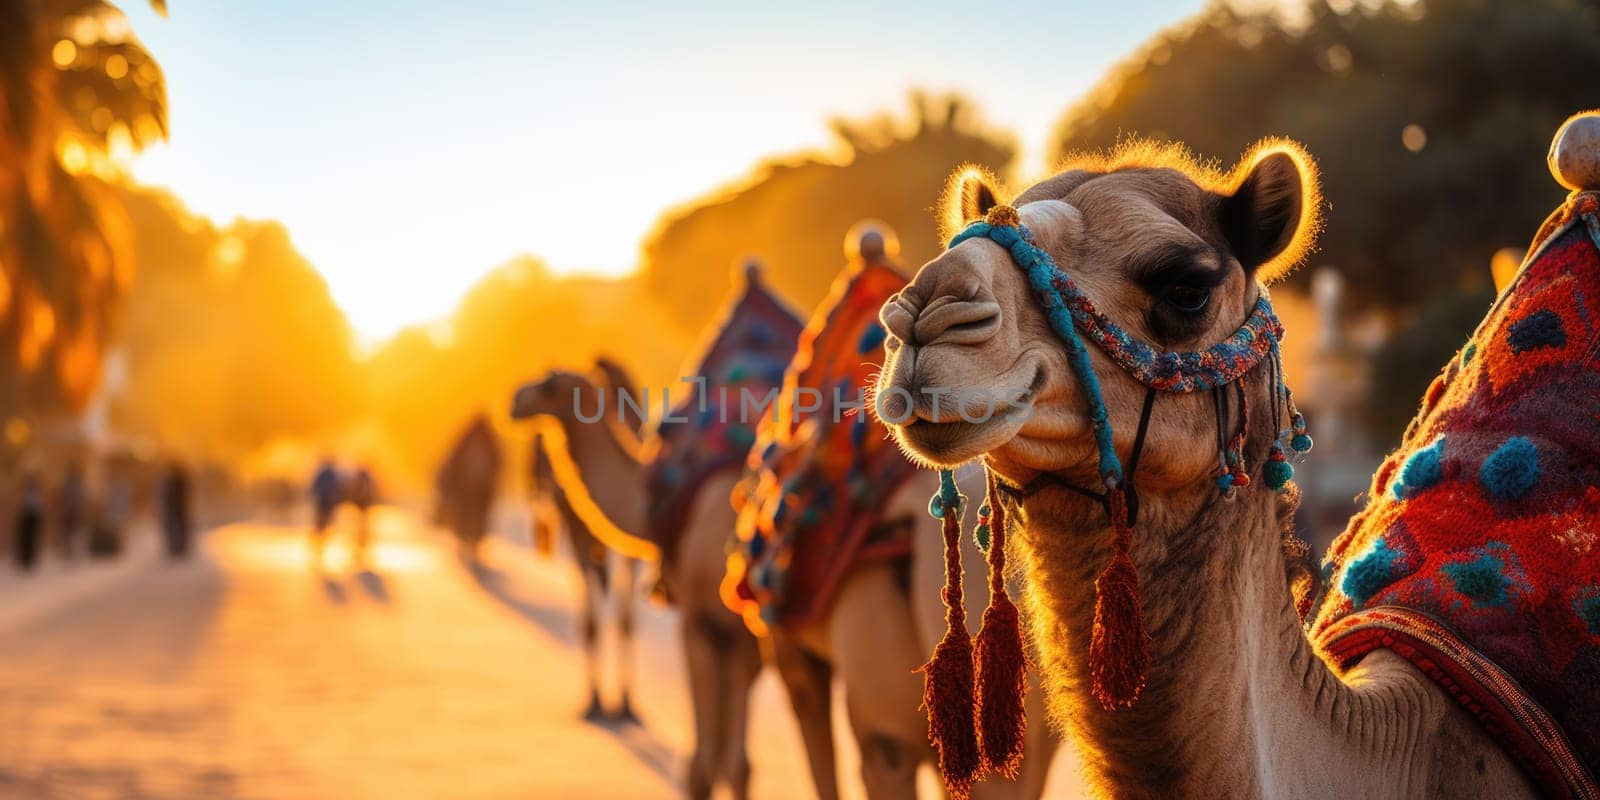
1187, 297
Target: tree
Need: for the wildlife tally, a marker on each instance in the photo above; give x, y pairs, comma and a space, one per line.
77, 92
515, 323
793, 211
230, 340
1428, 120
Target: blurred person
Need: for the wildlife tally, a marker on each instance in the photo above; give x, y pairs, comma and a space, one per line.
362, 493
327, 490
71, 503
30, 521
176, 519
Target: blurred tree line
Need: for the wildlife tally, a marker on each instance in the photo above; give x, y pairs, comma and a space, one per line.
1427, 118
793, 211
228, 338
516, 322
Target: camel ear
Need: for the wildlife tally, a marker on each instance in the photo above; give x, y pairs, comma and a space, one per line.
1270, 218
968, 196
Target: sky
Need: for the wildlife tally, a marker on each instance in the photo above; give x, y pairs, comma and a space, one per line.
411, 147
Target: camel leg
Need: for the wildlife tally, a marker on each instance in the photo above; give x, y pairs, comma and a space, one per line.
705, 647
876, 652
741, 666
809, 681
628, 597
591, 595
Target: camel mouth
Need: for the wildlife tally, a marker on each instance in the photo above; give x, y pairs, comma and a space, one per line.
523, 405
943, 441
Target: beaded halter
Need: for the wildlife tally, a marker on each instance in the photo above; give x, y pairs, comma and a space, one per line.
987, 680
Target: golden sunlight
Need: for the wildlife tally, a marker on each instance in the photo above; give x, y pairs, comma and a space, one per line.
303, 306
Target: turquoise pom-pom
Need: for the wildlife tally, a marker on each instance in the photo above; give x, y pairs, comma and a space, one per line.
980, 535
1512, 470
1225, 481
1300, 443
1278, 474
948, 496
1421, 470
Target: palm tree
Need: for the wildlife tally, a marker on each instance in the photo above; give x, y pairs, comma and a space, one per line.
78, 93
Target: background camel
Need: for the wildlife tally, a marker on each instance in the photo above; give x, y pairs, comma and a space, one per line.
466, 484
601, 476
598, 571
1234, 701
611, 481
867, 608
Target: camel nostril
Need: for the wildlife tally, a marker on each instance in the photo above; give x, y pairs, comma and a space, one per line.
898, 316
958, 322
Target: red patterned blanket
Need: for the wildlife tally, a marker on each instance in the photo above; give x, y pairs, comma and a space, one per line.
711, 426
813, 482
1477, 558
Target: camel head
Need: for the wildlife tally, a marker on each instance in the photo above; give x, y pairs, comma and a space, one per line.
1168, 250
553, 395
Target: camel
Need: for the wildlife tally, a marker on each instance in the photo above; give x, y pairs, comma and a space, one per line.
875, 626
723, 658
612, 481
466, 484
1220, 694
551, 512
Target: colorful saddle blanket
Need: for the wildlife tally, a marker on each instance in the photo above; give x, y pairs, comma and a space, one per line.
820, 466
1478, 557
712, 422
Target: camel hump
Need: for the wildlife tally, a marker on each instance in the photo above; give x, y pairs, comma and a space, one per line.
1575, 152
871, 240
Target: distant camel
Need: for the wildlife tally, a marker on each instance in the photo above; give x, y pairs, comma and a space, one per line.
466, 485
615, 484
597, 570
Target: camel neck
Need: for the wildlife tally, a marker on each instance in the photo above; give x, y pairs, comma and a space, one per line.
1237, 703
605, 468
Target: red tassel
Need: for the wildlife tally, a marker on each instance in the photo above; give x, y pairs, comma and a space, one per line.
948, 691
1001, 663
1119, 649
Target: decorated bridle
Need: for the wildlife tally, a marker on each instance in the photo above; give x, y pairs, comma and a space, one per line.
974, 689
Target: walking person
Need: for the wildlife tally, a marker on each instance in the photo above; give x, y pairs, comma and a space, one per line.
176, 518
362, 494
326, 493
30, 522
